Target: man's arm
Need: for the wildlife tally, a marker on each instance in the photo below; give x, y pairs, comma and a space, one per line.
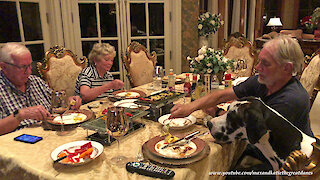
11, 122
210, 100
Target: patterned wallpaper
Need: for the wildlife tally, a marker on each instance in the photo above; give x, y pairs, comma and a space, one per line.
189, 24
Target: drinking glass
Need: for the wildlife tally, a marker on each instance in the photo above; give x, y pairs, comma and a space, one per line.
58, 107
117, 125
157, 77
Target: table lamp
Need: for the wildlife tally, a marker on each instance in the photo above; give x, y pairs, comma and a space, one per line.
273, 22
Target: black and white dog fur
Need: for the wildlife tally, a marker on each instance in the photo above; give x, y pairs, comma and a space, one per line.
262, 126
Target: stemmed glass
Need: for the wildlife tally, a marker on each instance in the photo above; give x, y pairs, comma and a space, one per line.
59, 106
117, 125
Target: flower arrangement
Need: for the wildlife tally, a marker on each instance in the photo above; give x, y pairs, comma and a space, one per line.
311, 22
209, 23
306, 22
209, 61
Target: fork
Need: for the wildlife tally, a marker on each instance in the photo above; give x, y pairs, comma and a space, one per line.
189, 140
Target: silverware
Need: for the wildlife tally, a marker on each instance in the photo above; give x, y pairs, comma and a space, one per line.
187, 141
189, 136
60, 159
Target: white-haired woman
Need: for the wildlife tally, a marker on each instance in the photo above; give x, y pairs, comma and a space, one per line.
96, 79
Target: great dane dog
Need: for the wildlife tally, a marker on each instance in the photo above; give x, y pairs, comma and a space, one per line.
262, 126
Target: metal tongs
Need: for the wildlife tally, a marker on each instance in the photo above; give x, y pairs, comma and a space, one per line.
189, 136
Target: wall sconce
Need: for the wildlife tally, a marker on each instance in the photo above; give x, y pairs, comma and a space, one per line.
274, 22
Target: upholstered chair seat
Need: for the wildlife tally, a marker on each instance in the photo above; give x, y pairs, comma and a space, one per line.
310, 77
244, 55
61, 68
139, 64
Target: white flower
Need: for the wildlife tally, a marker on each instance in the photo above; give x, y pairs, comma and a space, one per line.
225, 60
197, 59
201, 56
218, 57
211, 49
222, 22
202, 50
209, 64
209, 71
200, 26
207, 14
189, 58
212, 22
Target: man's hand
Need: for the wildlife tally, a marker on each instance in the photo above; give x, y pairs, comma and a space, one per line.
75, 102
117, 84
211, 111
38, 113
180, 110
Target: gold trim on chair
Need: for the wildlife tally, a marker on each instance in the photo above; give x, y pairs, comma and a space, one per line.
136, 48
59, 52
298, 161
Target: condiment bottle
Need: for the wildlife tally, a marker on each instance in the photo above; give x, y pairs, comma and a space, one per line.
187, 86
227, 81
214, 82
171, 81
193, 87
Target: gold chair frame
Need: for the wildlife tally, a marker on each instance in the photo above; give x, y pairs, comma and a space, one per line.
136, 48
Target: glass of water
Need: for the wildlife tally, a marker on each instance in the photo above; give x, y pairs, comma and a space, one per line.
157, 77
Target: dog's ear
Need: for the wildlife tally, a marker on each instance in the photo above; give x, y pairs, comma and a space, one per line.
255, 123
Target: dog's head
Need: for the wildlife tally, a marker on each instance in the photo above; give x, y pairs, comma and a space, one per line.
244, 119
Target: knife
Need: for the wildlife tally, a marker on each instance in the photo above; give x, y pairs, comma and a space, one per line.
189, 136
59, 159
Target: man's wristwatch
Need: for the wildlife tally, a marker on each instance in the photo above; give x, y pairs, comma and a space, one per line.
16, 115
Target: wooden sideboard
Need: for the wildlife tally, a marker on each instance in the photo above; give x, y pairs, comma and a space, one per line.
308, 46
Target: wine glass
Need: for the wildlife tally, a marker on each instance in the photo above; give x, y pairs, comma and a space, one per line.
58, 107
117, 125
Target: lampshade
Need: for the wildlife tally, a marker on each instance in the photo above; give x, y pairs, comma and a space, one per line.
274, 22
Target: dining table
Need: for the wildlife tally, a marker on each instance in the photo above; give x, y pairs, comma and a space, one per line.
20, 160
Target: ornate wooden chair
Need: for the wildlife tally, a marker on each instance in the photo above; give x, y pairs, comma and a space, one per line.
243, 53
310, 76
61, 68
139, 64
298, 161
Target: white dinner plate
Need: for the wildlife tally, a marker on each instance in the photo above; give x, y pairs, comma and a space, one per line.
69, 118
177, 123
127, 103
97, 150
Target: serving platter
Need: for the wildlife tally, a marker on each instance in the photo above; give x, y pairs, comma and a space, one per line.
177, 123
128, 94
72, 146
71, 117
149, 152
160, 97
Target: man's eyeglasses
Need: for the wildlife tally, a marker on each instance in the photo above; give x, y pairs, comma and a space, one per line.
23, 67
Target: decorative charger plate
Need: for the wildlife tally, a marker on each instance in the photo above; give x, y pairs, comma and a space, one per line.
177, 123
149, 152
127, 103
71, 117
128, 94
72, 146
